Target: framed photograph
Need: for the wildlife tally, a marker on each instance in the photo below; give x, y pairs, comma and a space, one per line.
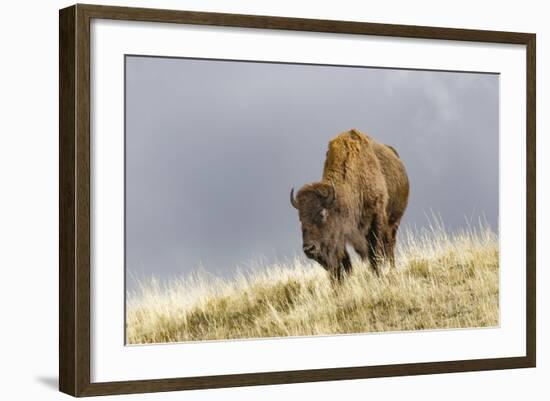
250, 200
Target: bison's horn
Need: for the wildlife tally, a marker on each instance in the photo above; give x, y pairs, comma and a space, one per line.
292, 200
331, 197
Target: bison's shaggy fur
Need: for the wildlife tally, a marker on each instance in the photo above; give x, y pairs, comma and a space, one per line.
359, 201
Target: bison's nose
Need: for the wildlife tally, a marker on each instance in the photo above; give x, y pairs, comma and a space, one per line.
310, 249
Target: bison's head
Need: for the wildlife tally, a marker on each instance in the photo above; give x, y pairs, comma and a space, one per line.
315, 204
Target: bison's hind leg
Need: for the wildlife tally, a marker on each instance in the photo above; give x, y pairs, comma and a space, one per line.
391, 245
379, 240
374, 255
392, 240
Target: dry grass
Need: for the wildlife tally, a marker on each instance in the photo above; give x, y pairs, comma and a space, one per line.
441, 282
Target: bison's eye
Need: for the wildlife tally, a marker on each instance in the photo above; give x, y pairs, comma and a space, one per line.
321, 217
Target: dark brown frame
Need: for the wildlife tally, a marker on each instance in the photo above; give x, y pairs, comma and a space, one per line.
74, 199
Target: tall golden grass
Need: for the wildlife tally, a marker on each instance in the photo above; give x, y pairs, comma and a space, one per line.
441, 281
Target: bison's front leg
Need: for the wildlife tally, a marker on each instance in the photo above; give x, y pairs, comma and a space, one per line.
339, 265
346, 262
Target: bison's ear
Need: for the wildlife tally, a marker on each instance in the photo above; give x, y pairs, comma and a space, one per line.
330, 196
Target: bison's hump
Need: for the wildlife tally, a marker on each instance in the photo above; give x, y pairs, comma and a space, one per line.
353, 137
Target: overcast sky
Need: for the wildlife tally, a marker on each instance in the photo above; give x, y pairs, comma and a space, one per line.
213, 148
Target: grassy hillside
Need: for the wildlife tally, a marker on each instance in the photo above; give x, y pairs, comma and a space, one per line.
441, 281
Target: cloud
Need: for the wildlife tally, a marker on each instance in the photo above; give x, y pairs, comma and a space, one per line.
214, 147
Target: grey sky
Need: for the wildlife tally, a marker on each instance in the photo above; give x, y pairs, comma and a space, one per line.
213, 148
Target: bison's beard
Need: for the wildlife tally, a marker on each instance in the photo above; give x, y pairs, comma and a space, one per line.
327, 261
321, 261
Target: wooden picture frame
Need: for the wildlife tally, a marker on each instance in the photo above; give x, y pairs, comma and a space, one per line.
74, 200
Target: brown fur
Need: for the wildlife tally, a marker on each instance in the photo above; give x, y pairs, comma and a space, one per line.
371, 190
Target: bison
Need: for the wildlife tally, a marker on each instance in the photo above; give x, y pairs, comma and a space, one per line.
359, 202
